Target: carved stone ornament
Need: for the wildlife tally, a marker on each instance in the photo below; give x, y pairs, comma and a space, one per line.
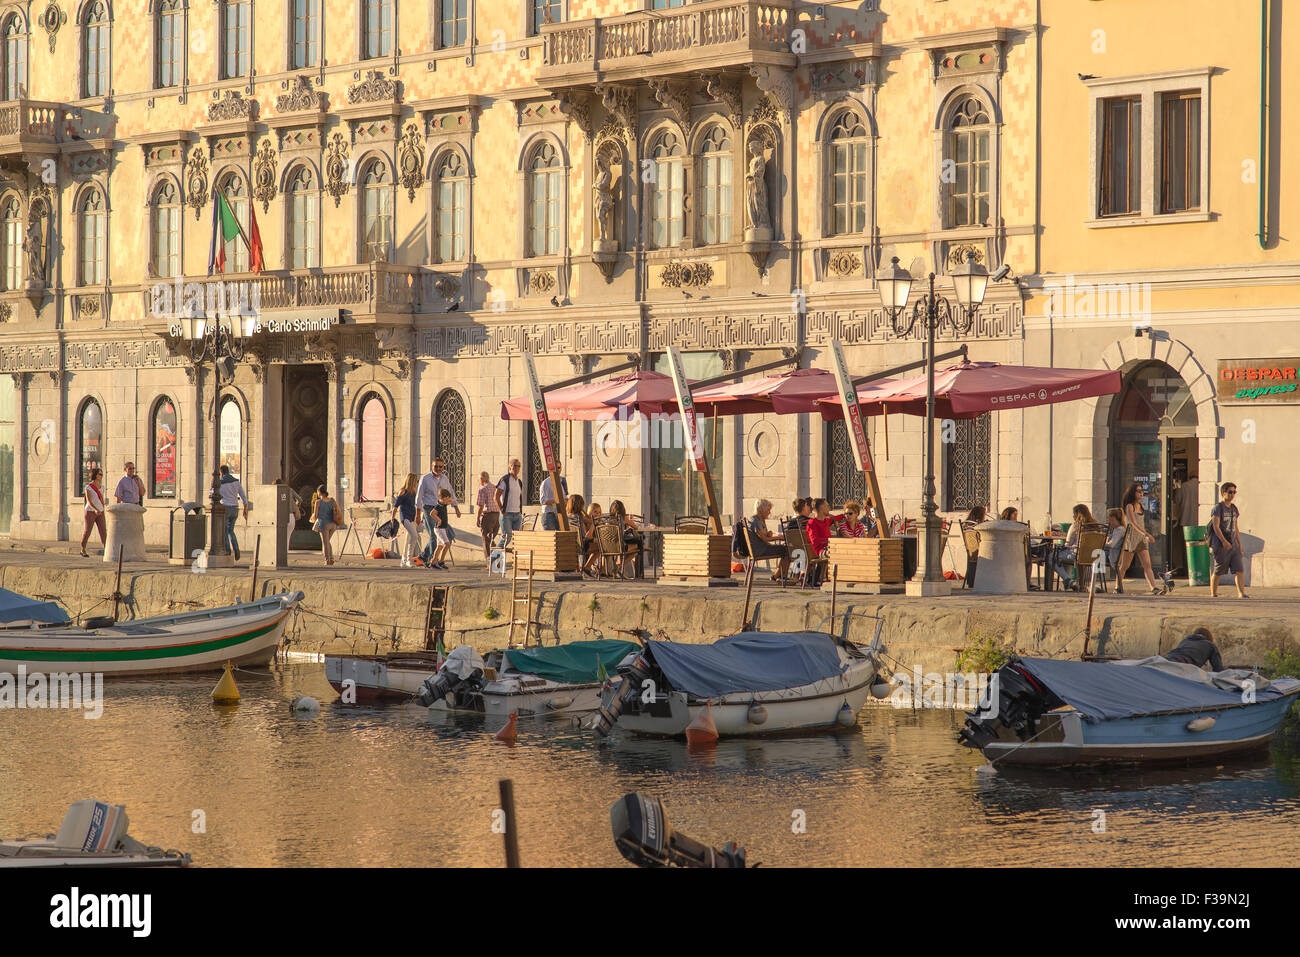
677, 275
375, 87
725, 89
264, 165
577, 107
541, 282
41, 202
196, 181
957, 253
336, 168
232, 106
302, 95
620, 102
6, 312
676, 96
410, 160
52, 18
448, 287
844, 262
88, 306
778, 84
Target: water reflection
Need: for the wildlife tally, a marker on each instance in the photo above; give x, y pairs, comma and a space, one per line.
397, 785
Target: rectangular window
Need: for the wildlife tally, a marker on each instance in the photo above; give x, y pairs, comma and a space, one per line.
13, 252
968, 464
306, 33
1121, 157
306, 214
544, 11
1180, 152
15, 64
379, 28
234, 29
453, 23
97, 59
171, 48
451, 221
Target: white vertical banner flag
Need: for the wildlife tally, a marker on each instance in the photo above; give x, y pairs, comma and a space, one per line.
686, 405
852, 412
540, 420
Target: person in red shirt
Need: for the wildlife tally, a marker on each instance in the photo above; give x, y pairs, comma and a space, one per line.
821, 526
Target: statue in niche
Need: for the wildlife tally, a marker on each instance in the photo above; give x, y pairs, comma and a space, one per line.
760, 222
604, 205
35, 251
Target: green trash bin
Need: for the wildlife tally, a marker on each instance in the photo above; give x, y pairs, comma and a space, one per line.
1193, 533
1198, 563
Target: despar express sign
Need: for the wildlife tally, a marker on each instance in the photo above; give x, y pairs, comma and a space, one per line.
1258, 380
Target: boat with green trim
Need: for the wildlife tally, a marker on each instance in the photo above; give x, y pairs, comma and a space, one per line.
247, 633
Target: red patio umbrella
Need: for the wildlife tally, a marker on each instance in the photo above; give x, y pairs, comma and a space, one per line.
968, 389
798, 386
596, 401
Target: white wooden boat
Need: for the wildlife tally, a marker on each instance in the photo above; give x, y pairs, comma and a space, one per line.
751, 683
397, 676
243, 634
1152, 710
93, 834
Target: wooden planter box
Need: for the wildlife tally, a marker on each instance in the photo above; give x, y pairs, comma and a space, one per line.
867, 563
692, 559
555, 554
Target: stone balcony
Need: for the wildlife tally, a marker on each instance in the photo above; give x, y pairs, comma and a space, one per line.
712, 35
34, 128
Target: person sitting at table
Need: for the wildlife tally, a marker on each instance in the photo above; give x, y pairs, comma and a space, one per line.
802, 511
976, 516
850, 527
1010, 514
631, 532
821, 526
1067, 556
1115, 543
767, 543
575, 507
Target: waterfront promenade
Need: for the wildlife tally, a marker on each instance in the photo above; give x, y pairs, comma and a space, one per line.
366, 606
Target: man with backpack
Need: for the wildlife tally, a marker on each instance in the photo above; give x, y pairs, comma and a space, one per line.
510, 502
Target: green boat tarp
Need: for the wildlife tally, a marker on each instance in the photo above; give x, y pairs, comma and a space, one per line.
578, 662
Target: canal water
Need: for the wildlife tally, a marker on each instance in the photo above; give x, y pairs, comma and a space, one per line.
257, 785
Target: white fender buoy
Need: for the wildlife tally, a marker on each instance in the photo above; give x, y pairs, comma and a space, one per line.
880, 690
1201, 724
757, 714
304, 704
558, 704
846, 718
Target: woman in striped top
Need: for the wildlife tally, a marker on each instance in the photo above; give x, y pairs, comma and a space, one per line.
94, 512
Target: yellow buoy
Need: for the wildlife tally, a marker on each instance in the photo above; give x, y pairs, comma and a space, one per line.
225, 692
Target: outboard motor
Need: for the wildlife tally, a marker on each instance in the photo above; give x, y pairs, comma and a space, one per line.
1022, 700
464, 666
643, 835
624, 692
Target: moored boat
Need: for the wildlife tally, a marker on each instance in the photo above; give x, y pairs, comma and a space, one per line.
93, 834
396, 676
751, 683
1046, 712
244, 634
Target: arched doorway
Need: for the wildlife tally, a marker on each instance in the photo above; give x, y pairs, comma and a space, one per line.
1153, 435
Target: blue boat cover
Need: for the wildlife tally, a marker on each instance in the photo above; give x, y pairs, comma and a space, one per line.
1102, 692
15, 607
748, 661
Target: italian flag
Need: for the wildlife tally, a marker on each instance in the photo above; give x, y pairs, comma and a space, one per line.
225, 227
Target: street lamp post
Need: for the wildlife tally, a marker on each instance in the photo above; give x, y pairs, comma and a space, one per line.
933, 312
224, 342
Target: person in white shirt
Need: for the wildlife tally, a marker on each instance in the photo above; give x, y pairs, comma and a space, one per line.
550, 519
94, 511
426, 497
232, 493
510, 502
130, 490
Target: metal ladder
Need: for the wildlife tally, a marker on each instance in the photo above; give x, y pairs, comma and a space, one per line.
435, 618
521, 574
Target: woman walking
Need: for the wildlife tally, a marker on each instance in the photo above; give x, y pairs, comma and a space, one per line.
324, 519
94, 497
1136, 538
404, 511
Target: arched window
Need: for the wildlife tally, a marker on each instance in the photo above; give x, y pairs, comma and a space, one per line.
377, 27
231, 428
170, 44
90, 441
166, 252
11, 223
234, 38
449, 437
666, 217
306, 34
163, 473
968, 152
373, 454
845, 482
452, 193
715, 187
304, 219
94, 230
453, 22
376, 211
848, 158
15, 57
545, 201
95, 50
237, 196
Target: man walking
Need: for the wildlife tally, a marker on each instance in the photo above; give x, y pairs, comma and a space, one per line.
426, 501
232, 493
1184, 513
130, 490
550, 519
1225, 542
510, 502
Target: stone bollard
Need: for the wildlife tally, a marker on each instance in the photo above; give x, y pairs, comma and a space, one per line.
126, 531
1001, 568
